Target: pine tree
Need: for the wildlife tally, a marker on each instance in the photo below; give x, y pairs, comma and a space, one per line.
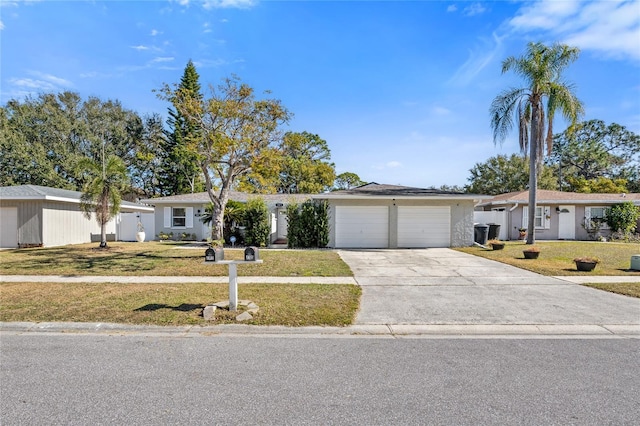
181, 174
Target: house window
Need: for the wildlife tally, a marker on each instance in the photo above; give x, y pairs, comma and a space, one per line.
595, 214
542, 219
179, 217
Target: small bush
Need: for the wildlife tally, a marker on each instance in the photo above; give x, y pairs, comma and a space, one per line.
256, 216
308, 224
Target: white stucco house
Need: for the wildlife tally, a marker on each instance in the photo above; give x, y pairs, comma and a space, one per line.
181, 213
40, 216
390, 216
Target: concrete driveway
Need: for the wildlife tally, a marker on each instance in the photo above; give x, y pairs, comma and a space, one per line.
443, 286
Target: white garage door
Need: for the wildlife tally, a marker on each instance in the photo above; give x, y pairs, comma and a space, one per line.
424, 226
362, 226
8, 227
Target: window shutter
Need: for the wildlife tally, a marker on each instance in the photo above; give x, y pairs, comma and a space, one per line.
547, 218
587, 217
189, 218
525, 216
167, 217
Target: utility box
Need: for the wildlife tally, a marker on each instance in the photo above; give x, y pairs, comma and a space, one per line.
635, 262
214, 254
251, 254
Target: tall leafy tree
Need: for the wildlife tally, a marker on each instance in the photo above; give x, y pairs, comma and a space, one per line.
347, 180
534, 106
306, 168
592, 151
182, 175
502, 174
237, 133
44, 137
105, 181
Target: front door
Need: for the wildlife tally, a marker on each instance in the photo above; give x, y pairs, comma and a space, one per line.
567, 222
281, 224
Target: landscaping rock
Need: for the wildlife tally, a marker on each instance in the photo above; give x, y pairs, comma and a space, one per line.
245, 316
209, 312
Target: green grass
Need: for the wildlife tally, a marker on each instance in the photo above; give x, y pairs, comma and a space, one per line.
165, 259
556, 258
177, 304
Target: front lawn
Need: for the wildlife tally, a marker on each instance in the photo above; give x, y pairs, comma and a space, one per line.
177, 304
556, 258
166, 259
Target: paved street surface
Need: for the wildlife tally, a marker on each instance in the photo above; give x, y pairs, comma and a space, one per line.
137, 379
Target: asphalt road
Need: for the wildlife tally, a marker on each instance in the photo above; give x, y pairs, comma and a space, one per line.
56, 378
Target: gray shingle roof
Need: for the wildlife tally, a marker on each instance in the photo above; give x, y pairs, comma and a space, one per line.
383, 190
547, 196
203, 197
37, 192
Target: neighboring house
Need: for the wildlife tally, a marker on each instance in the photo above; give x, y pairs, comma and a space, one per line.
559, 215
390, 216
180, 214
39, 216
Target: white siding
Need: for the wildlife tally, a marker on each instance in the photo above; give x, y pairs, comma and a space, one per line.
65, 224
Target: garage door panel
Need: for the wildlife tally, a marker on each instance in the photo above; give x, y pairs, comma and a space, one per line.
8, 227
362, 226
424, 226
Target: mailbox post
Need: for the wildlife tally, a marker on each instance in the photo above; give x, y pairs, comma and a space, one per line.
215, 257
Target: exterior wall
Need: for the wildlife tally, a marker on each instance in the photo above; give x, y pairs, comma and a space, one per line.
553, 231
29, 221
461, 217
204, 232
64, 223
197, 227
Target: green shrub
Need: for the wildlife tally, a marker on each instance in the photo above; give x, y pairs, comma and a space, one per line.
308, 224
256, 217
623, 217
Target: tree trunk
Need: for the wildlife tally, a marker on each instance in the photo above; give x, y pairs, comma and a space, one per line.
533, 170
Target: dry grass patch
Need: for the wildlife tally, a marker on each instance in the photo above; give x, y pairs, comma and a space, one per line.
627, 289
556, 258
177, 304
165, 259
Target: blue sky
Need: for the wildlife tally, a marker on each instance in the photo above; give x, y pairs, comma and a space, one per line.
399, 89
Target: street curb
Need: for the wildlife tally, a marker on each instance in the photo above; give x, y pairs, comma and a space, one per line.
358, 330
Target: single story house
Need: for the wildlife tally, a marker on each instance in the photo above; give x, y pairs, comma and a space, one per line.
39, 216
390, 216
559, 215
181, 213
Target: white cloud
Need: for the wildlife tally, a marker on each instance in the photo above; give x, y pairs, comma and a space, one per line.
611, 28
140, 47
440, 111
474, 9
155, 33
166, 59
393, 164
41, 82
225, 4
452, 8
479, 58
1, 26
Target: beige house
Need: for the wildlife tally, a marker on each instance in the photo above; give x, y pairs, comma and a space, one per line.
559, 215
391, 216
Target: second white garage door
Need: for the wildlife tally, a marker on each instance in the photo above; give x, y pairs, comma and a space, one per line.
362, 226
424, 226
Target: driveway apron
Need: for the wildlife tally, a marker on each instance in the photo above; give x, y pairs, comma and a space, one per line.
443, 286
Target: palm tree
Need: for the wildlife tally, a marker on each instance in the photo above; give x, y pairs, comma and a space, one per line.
102, 192
541, 67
